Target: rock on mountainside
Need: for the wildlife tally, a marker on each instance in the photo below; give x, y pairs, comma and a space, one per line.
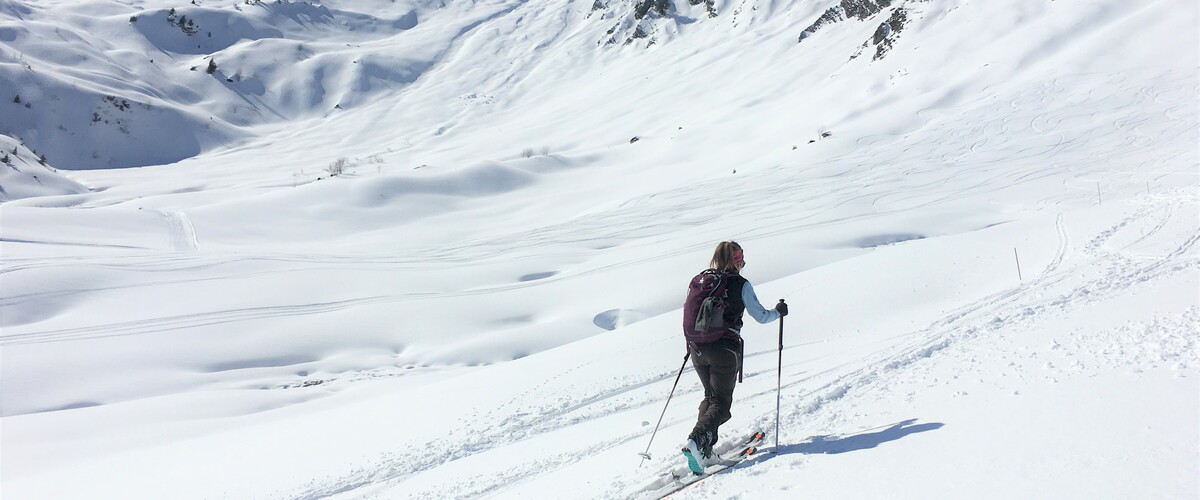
887, 32
846, 9
862, 10
643, 20
647, 20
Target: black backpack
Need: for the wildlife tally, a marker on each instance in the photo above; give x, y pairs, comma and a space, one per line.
704, 309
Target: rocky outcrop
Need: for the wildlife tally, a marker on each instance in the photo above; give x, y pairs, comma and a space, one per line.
847, 9
833, 15
885, 34
642, 21
709, 5
644, 7
862, 9
635, 20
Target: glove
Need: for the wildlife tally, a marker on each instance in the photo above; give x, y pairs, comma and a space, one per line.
782, 308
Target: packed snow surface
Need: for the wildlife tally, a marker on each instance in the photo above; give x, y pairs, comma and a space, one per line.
425, 249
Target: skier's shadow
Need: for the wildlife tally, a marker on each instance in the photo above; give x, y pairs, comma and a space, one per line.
862, 441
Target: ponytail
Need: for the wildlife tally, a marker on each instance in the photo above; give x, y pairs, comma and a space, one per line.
726, 256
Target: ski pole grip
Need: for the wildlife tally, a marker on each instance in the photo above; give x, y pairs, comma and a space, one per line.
781, 329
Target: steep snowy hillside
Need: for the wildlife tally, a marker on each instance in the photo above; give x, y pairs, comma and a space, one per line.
25, 173
118, 84
426, 249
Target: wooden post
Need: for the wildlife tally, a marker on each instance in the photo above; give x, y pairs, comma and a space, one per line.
1018, 258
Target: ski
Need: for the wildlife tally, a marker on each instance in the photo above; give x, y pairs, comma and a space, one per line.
678, 479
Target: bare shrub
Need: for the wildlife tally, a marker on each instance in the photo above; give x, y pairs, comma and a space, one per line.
338, 167
530, 153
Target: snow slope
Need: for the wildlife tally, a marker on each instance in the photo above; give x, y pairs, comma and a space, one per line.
486, 301
26, 174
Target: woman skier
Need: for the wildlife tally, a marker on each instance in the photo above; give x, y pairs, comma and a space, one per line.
716, 346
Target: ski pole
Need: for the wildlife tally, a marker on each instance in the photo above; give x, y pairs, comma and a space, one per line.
779, 381
646, 454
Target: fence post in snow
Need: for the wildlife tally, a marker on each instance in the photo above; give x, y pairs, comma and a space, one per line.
1018, 258
1098, 197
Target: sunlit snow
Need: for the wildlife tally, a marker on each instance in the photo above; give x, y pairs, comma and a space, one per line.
427, 249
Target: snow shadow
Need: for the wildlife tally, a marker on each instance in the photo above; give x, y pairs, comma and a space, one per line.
879, 240
863, 441
536, 276
617, 318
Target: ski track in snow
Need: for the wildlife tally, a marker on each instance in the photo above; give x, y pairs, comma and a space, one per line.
938, 154
182, 233
882, 199
1010, 310
998, 314
750, 198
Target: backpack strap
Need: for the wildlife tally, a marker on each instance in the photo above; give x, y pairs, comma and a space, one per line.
740, 354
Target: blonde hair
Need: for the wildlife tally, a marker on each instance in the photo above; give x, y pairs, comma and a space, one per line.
722, 259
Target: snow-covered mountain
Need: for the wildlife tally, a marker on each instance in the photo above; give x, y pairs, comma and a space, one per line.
427, 249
